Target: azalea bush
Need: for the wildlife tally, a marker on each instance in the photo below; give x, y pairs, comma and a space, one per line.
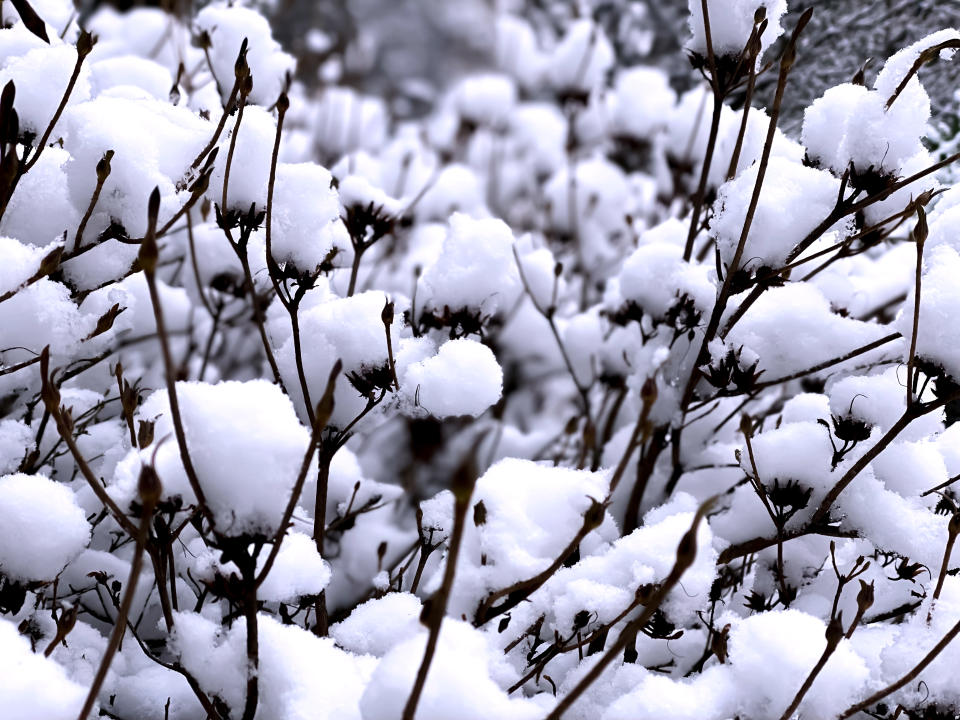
578, 394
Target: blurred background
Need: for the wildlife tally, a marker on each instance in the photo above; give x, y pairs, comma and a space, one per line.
408, 51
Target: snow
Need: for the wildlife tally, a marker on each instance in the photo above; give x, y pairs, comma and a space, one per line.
463, 378
937, 335
306, 215
654, 276
581, 59
15, 439
378, 625
35, 507
461, 681
46, 185
21, 263
33, 685
522, 302
484, 99
297, 571
475, 268
227, 26
850, 124
792, 328
131, 70
797, 640
532, 513
731, 22
793, 201
250, 169
347, 329
291, 660
246, 445
644, 100
153, 143
41, 77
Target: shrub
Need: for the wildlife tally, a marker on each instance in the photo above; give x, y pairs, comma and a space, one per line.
576, 397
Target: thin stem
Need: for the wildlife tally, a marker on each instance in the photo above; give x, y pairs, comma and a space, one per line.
686, 554
907, 678
462, 487
148, 261
834, 635
920, 236
84, 45
121, 620
704, 169
322, 415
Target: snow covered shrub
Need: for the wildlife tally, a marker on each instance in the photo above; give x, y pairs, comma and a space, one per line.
586, 394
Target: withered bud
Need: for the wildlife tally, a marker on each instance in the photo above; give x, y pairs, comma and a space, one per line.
324, 410
103, 166
479, 513
921, 231
67, 620
85, 43
687, 549
644, 593
834, 631
865, 596
240, 67
648, 391
387, 313
149, 487
593, 517
463, 482
148, 248
953, 527
66, 418
145, 434
283, 103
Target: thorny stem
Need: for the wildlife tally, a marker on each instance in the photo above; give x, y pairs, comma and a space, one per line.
548, 314
227, 108
752, 51
290, 304
252, 698
746, 427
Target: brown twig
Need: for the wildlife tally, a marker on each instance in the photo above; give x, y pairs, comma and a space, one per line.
686, 554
